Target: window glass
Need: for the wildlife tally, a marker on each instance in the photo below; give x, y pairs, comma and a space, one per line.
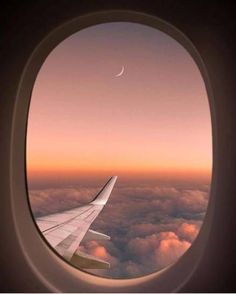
127, 100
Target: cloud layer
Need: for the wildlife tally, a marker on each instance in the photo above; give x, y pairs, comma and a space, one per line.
150, 227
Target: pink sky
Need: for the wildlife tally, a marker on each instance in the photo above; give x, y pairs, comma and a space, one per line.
155, 118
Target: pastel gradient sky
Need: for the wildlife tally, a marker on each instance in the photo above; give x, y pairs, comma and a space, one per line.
152, 120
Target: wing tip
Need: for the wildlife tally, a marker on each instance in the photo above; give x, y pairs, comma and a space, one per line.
103, 195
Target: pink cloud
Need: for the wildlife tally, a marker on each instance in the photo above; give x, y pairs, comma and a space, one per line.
188, 231
144, 246
170, 248
52, 200
94, 248
150, 227
162, 249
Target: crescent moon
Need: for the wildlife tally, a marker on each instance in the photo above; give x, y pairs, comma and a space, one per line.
121, 72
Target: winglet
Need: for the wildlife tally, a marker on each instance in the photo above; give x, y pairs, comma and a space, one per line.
104, 194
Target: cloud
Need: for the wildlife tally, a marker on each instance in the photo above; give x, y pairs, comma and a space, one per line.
170, 248
150, 226
45, 201
162, 249
146, 255
188, 231
95, 248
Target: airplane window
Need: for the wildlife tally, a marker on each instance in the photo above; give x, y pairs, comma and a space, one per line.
119, 150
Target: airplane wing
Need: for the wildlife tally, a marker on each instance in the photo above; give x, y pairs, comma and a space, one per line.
65, 230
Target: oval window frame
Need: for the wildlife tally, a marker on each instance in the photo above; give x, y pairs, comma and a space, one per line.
62, 276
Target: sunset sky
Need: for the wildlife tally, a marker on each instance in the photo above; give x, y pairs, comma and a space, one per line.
150, 126
154, 119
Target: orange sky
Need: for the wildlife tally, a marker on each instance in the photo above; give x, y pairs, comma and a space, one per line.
154, 118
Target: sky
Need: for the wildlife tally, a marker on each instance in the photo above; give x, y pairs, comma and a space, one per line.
154, 118
151, 126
